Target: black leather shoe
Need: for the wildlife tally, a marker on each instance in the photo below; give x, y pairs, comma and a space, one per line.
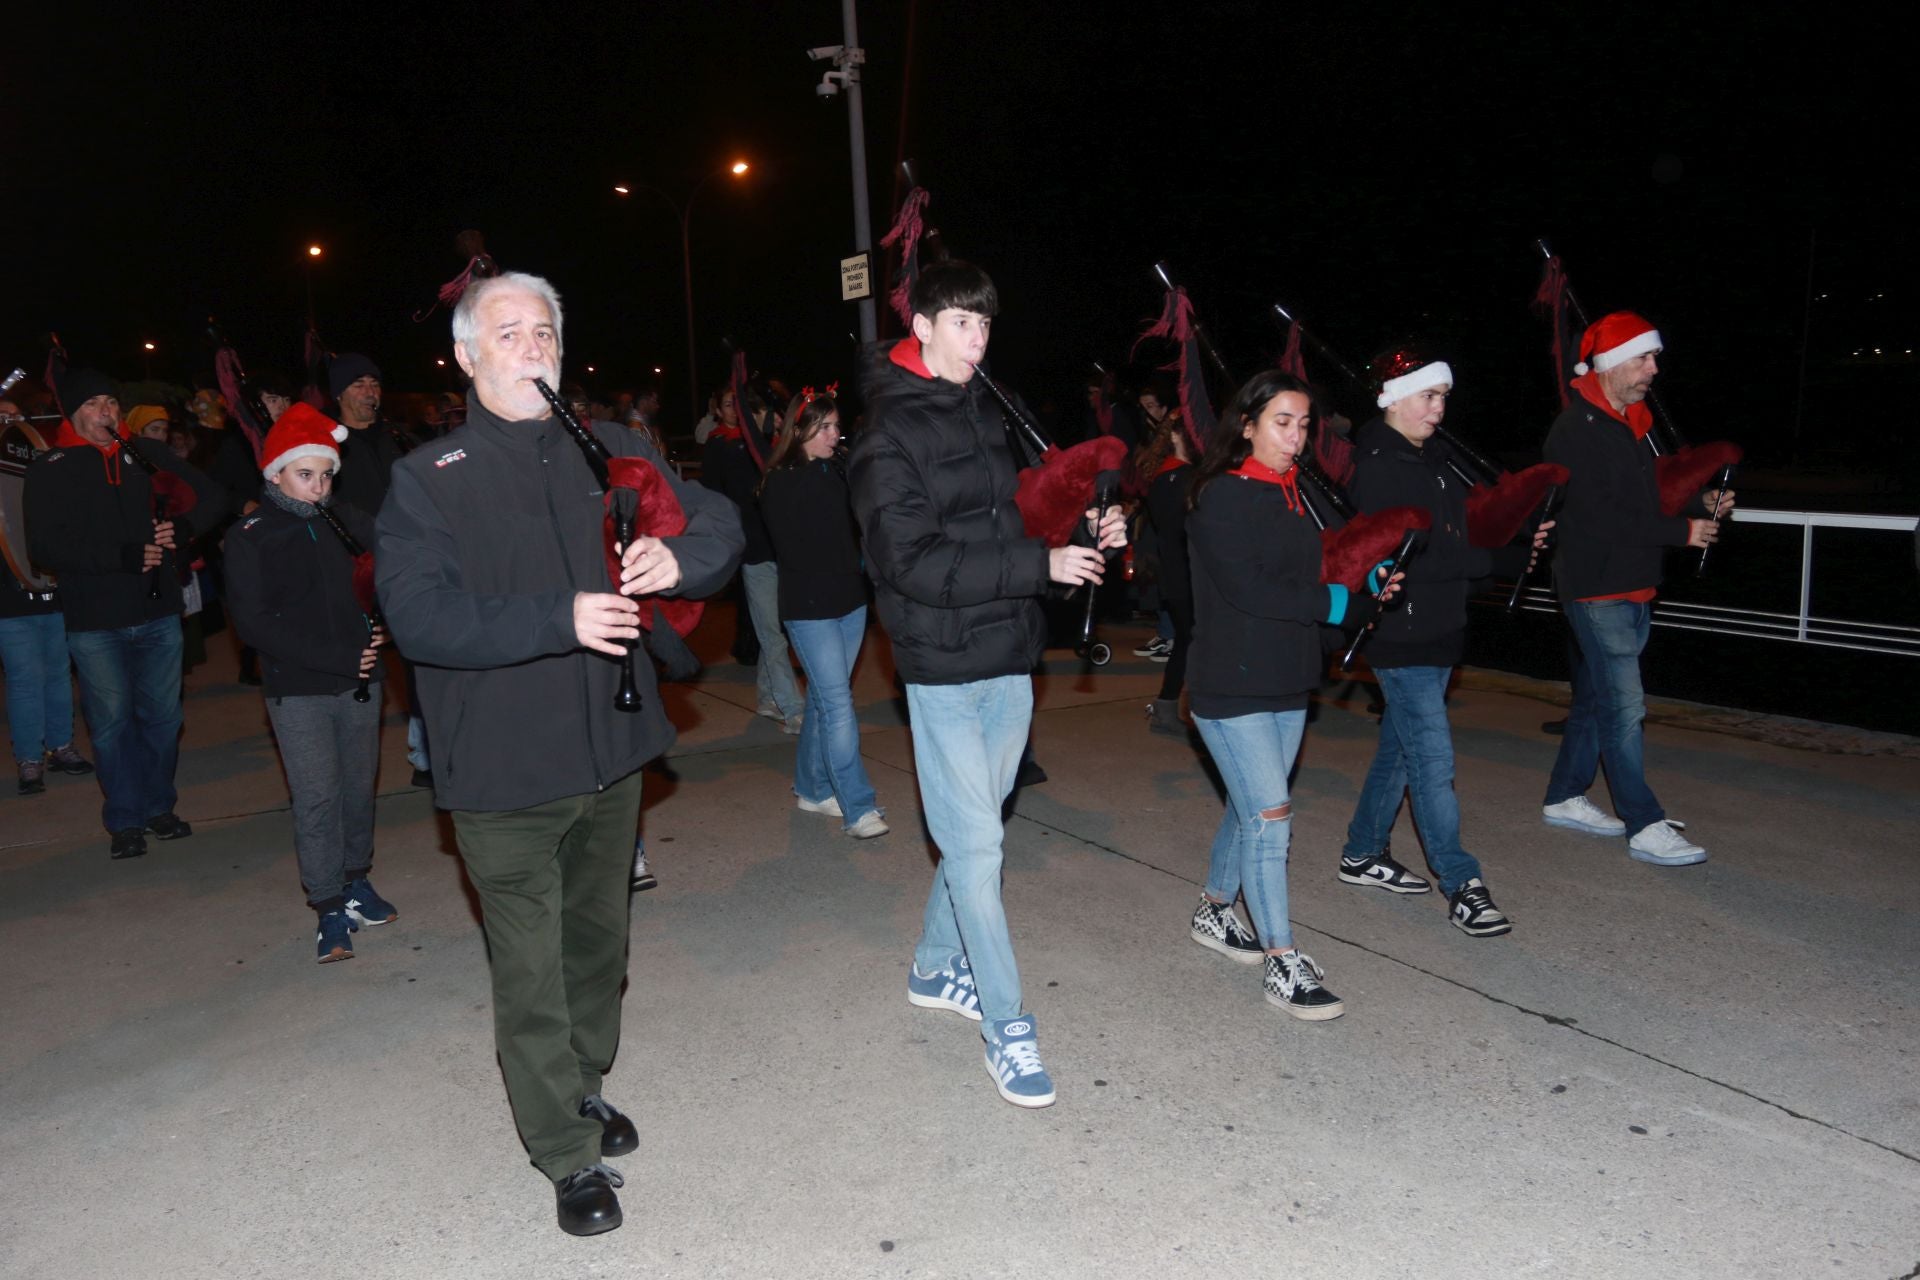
585, 1200
131, 843
423, 778
168, 826
618, 1137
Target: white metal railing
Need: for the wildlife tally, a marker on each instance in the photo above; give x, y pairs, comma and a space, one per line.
1801, 627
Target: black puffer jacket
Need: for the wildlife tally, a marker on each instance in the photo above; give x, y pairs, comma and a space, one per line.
1428, 629
485, 539
957, 580
1611, 536
290, 589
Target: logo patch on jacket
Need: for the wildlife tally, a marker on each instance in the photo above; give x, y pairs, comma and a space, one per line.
249, 522
445, 458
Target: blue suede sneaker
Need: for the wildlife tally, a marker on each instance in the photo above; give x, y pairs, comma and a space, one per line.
335, 938
948, 987
366, 906
1013, 1060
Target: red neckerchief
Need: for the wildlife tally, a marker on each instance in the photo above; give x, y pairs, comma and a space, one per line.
1637, 417
906, 354
1169, 463
67, 438
723, 432
1288, 480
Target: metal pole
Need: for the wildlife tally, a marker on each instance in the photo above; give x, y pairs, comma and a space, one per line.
857, 142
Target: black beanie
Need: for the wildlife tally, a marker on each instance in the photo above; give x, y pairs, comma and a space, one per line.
77, 386
348, 368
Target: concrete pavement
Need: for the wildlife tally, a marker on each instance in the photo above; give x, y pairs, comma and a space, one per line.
1704, 1071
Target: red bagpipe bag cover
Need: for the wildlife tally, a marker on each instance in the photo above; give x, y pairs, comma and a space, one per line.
658, 515
1684, 474
1497, 512
1349, 552
1056, 495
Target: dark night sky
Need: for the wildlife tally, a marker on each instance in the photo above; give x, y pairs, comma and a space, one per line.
1380, 168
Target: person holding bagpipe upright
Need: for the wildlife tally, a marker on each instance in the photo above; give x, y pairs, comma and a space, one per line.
1622, 512
1399, 461
519, 555
291, 589
958, 580
110, 518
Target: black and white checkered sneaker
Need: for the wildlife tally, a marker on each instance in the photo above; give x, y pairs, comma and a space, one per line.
1219, 928
1293, 983
1382, 872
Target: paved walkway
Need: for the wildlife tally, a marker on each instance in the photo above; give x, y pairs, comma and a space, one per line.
1667, 1073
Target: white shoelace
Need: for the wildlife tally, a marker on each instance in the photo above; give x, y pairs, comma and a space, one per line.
1305, 969
1024, 1055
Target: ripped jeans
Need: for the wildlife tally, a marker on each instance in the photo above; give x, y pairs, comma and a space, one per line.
1254, 754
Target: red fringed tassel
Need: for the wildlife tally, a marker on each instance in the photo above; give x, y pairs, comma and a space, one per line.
908, 226
1056, 495
657, 514
175, 492
1550, 299
1103, 405
1685, 474
1495, 513
1176, 323
1348, 553
363, 590
226, 370
1291, 361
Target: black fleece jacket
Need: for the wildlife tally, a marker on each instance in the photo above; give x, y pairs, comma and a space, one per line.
956, 578
89, 517
1430, 628
727, 468
1610, 536
1258, 602
290, 591
486, 537
809, 515
367, 457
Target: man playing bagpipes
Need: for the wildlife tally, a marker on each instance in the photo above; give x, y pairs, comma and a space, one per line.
110, 518
958, 581
1399, 462
497, 580
1622, 512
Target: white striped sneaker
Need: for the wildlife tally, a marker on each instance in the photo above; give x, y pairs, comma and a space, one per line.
948, 987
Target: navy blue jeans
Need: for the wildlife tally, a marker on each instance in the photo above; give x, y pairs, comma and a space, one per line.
1415, 756
33, 649
130, 691
1603, 725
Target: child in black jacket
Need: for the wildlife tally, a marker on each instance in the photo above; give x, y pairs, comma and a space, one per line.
290, 585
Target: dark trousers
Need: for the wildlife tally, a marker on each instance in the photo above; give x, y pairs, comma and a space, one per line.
130, 690
552, 881
1173, 676
330, 747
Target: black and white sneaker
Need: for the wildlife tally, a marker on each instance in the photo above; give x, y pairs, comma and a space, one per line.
1382, 872
1219, 928
1156, 647
1472, 911
1293, 983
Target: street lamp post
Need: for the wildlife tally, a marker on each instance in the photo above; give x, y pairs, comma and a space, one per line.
313, 251
146, 359
684, 211
849, 58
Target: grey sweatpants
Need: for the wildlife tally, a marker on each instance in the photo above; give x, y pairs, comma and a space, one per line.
330, 747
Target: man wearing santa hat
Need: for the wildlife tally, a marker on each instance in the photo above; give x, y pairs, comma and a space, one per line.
1613, 537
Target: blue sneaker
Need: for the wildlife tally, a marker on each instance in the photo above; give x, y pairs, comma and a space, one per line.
948, 987
335, 938
1013, 1060
366, 906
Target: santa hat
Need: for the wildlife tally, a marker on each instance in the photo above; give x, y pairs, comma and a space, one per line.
1615, 339
302, 432
1433, 374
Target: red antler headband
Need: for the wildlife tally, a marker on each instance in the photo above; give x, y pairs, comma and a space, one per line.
808, 395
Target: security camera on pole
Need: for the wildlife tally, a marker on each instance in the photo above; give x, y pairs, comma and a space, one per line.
847, 59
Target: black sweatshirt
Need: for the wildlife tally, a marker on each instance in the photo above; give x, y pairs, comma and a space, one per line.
1258, 602
89, 518
1610, 536
290, 591
486, 537
367, 456
809, 516
1167, 509
727, 468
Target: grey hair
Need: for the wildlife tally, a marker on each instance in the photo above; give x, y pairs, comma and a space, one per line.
463, 330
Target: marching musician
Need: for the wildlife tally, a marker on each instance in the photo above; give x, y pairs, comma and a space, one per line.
958, 584
290, 588
91, 522
1606, 569
493, 579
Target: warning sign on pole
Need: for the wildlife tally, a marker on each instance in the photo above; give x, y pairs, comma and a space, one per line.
854, 282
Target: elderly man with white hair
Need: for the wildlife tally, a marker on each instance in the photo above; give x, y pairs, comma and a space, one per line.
494, 583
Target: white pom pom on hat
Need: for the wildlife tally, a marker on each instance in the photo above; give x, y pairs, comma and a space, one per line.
1615, 339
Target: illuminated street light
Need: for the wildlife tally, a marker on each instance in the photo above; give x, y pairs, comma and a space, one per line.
623, 189
656, 368
738, 167
148, 345
313, 251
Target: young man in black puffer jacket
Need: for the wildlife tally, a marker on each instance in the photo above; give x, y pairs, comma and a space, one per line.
1398, 462
958, 586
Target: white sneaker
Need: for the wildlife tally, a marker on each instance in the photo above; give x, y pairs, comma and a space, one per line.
871, 824
830, 806
1581, 814
1662, 845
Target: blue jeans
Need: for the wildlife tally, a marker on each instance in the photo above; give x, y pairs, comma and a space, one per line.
774, 679
1254, 754
1416, 756
828, 763
130, 691
1603, 725
967, 740
33, 650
